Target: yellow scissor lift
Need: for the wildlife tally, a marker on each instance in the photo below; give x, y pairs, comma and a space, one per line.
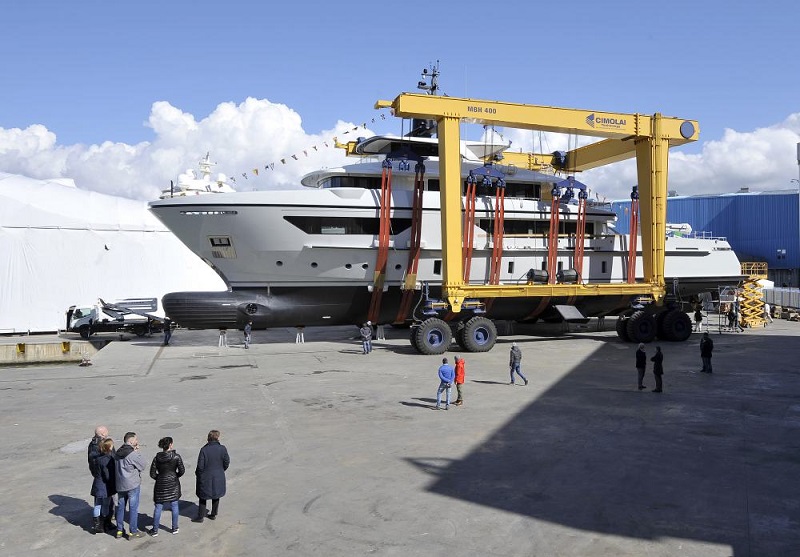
648, 138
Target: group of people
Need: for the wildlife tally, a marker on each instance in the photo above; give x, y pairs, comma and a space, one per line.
449, 375
119, 472
706, 351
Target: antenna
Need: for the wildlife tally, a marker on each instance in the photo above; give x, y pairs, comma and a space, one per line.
433, 75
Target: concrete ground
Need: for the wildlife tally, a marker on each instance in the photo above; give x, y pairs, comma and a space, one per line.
339, 454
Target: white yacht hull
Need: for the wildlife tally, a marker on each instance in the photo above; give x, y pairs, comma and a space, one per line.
307, 257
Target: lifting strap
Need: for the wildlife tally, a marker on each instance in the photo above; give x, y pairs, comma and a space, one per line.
552, 238
580, 234
414, 244
469, 226
497, 235
384, 233
633, 234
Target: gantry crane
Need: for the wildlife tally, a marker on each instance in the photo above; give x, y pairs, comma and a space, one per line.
648, 138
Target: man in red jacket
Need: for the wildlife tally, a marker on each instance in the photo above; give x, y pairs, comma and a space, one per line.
459, 380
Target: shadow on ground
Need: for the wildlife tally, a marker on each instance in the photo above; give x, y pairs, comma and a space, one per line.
713, 459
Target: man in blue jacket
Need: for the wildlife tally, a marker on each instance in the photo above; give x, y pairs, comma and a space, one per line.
446, 376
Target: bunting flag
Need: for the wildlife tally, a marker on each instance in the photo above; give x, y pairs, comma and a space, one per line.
271, 166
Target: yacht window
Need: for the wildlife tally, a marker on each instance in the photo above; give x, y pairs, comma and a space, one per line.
345, 225
220, 241
534, 227
437, 267
510, 267
365, 182
603, 267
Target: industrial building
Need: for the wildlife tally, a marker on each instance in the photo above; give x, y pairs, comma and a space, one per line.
760, 226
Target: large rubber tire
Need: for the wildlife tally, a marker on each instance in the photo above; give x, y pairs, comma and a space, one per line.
140, 330
479, 334
641, 327
413, 337
661, 331
622, 326
84, 331
458, 336
677, 326
433, 337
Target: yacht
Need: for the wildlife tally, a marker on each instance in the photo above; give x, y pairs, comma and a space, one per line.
308, 256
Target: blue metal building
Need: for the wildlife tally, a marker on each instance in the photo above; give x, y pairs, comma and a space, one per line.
760, 227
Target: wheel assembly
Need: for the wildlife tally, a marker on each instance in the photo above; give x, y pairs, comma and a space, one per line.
479, 335
433, 337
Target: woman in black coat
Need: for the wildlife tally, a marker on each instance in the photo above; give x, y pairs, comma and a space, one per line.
104, 486
212, 462
166, 470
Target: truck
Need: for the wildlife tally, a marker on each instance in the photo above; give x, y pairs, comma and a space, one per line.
131, 315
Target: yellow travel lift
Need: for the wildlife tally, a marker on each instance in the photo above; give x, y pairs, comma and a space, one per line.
648, 138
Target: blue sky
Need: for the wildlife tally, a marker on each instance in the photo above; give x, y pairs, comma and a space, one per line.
97, 89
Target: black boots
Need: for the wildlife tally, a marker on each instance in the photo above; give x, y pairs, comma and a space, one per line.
201, 514
97, 526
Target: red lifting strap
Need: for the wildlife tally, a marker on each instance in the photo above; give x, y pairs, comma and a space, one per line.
414, 243
383, 243
580, 238
469, 229
552, 241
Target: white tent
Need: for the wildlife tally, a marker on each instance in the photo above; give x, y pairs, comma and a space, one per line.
62, 246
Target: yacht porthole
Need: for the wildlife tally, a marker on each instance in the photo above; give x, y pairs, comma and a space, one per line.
365, 266
348, 266
314, 265
279, 263
398, 267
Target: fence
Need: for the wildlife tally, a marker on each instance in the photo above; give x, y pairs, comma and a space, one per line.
784, 297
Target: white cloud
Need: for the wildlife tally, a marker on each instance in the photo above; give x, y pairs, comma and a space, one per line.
257, 133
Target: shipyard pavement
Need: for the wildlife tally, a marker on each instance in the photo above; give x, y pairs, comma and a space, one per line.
337, 453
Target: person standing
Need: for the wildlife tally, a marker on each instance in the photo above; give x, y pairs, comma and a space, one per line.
658, 368
514, 362
212, 462
129, 465
248, 331
167, 330
104, 487
223, 338
446, 376
300, 338
93, 452
706, 349
698, 318
460, 373
767, 313
366, 337
166, 469
641, 364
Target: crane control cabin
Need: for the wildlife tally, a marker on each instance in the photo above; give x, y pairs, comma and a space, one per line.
648, 138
